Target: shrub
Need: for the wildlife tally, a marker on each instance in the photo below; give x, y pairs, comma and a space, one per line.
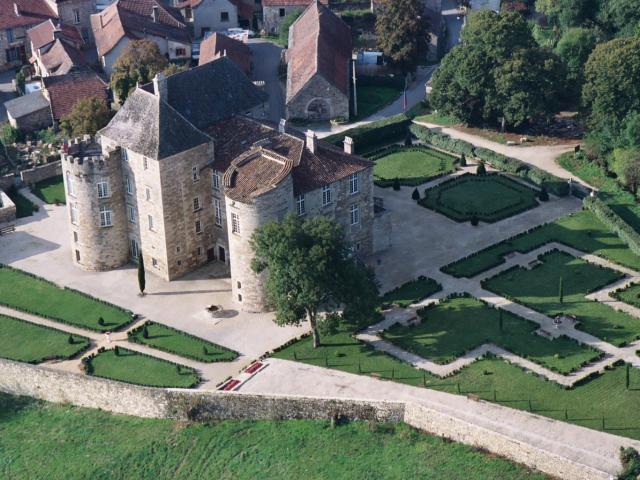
614, 222
101, 322
408, 140
70, 340
543, 196
145, 332
482, 170
463, 160
116, 351
415, 195
474, 221
374, 133
329, 324
630, 464
396, 184
205, 352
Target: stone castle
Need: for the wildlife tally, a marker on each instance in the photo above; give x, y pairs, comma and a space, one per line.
186, 171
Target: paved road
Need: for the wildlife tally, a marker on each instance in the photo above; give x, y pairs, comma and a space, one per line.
454, 21
6, 92
266, 58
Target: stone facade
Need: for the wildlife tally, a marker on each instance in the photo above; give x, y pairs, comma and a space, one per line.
7, 208
18, 43
77, 13
272, 16
34, 175
211, 16
318, 100
32, 121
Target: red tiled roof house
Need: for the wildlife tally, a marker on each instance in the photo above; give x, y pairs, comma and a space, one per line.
218, 45
56, 48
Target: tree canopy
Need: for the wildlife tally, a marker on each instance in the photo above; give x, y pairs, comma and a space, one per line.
401, 31
309, 269
139, 62
87, 117
574, 49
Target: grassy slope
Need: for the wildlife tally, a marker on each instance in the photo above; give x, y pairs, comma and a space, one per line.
31, 343
25, 292
82, 443
538, 288
454, 327
581, 230
133, 367
411, 292
371, 99
51, 190
170, 340
414, 166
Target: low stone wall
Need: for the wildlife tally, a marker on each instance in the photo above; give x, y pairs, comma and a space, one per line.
42, 172
7, 181
7, 208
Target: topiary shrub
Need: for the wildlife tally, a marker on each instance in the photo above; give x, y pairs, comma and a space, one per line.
630, 464
474, 221
481, 170
70, 340
415, 195
408, 140
116, 351
101, 322
145, 332
463, 160
543, 195
396, 184
205, 352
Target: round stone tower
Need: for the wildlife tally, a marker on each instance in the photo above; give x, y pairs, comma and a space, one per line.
96, 206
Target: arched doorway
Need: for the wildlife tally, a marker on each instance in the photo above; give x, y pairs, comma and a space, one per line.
318, 109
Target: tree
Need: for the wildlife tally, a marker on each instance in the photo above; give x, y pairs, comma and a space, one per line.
463, 160
620, 17
543, 195
415, 195
574, 49
139, 62
285, 25
401, 31
309, 268
142, 281
568, 13
87, 117
174, 68
560, 291
481, 169
627, 377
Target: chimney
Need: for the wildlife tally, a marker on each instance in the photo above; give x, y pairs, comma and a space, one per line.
57, 33
311, 140
282, 126
348, 145
155, 13
16, 9
160, 86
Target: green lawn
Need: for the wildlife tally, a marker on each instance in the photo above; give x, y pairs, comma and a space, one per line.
181, 343
411, 292
24, 207
489, 198
630, 295
410, 165
31, 343
452, 328
538, 288
371, 99
82, 443
51, 190
581, 230
443, 120
35, 295
133, 367
585, 404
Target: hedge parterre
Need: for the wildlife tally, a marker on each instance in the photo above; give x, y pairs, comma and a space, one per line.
410, 166
411, 292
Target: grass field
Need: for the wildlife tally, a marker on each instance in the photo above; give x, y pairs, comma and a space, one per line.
584, 405
27, 342
82, 443
133, 367
35, 295
181, 343
373, 98
411, 292
581, 230
538, 288
452, 328
410, 165
443, 120
630, 295
24, 207
489, 198
51, 190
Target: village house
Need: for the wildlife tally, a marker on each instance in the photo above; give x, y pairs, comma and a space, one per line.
218, 45
127, 20
209, 15
318, 66
77, 13
56, 48
275, 11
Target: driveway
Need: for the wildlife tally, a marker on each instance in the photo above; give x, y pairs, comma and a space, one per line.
266, 59
6, 92
454, 20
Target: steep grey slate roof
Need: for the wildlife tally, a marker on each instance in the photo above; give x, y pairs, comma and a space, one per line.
212, 92
27, 104
151, 127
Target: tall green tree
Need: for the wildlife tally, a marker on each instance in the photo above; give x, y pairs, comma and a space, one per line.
309, 269
574, 49
139, 62
87, 117
401, 31
285, 25
568, 13
620, 17
142, 281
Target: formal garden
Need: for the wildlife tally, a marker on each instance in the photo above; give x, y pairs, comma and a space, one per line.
487, 198
411, 292
410, 166
629, 295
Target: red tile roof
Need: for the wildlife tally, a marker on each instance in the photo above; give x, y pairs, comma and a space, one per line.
42, 34
31, 12
64, 91
290, 3
62, 58
217, 45
321, 44
133, 19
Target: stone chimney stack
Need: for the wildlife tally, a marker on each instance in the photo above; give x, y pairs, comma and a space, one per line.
57, 32
282, 126
160, 88
348, 145
155, 13
312, 140
16, 9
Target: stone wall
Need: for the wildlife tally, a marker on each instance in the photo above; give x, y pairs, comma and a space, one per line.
42, 172
7, 181
7, 208
66, 10
33, 121
317, 90
271, 18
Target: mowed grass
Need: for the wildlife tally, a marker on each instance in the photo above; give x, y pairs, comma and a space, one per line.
133, 367
31, 343
538, 288
489, 198
581, 230
411, 292
85, 443
38, 296
583, 405
457, 325
629, 295
51, 190
371, 99
411, 166
174, 341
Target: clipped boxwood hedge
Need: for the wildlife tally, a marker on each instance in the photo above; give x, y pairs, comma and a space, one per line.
375, 133
612, 220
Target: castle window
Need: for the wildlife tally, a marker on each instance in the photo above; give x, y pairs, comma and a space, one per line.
282, 12
132, 213
199, 251
74, 213
196, 204
70, 186
218, 212
145, 163
154, 262
216, 180
235, 223
300, 204
240, 298
355, 214
353, 183
198, 226
147, 193
105, 216
103, 189
195, 174
76, 15
129, 185
326, 195
239, 285
75, 237
134, 249
150, 220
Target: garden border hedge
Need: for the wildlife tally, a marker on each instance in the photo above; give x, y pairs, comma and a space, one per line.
374, 133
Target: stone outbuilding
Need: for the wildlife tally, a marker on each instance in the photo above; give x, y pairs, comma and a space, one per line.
318, 66
30, 112
275, 11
